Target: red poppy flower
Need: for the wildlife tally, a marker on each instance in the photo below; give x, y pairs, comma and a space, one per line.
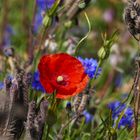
62, 73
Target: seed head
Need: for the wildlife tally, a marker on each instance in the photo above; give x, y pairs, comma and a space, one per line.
132, 18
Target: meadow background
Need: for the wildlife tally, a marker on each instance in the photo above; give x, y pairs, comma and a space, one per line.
104, 18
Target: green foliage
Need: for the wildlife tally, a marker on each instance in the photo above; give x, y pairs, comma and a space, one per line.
90, 35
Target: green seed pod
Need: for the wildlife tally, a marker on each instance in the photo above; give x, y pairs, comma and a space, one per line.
68, 24
46, 20
101, 53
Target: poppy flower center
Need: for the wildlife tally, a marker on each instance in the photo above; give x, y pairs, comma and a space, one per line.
59, 79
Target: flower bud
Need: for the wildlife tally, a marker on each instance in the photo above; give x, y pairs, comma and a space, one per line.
46, 20
103, 53
68, 24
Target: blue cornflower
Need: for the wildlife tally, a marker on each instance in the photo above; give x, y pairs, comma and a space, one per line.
88, 117
116, 108
36, 82
90, 66
44, 4
7, 36
38, 21
128, 117
118, 80
1, 85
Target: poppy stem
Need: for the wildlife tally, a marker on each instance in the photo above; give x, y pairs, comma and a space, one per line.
53, 99
54, 104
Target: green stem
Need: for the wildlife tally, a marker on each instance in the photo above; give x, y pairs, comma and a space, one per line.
62, 35
39, 51
50, 13
89, 29
48, 131
120, 117
53, 100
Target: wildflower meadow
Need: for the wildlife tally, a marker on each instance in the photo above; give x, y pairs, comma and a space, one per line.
69, 69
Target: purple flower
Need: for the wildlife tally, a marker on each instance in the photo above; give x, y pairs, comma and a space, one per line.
1, 85
36, 82
90, 66
44, 4
88, 117
108, 15
38, 21
118, 80
7, 36
116, 108
128, 117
